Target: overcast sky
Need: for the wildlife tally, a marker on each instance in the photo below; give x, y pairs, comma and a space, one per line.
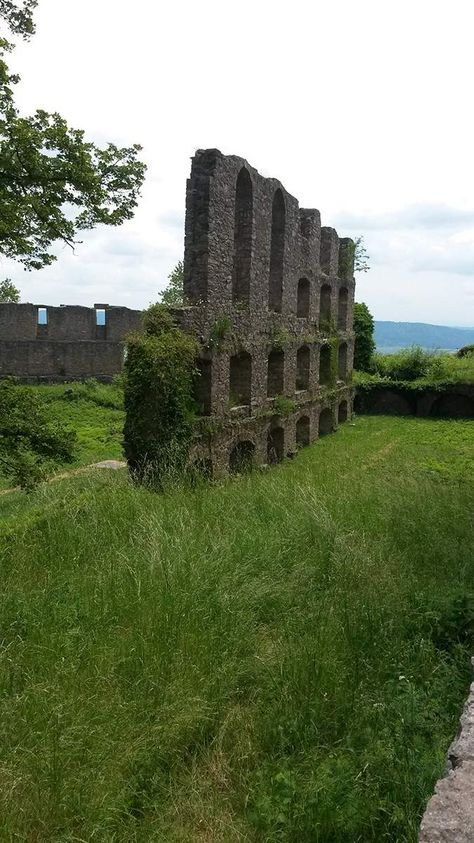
362, 109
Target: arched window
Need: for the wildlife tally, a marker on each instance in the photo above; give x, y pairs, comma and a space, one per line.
325, 366
242, 237
302, 368
240, 379
326, 422
275, 445
202, 387
342, 309
241, 457
277, 248
325, 307
342, 362
276, 366
302, 302
342, 412
302, 431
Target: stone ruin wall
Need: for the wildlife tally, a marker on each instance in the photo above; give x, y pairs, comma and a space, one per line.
269, 295
71, 345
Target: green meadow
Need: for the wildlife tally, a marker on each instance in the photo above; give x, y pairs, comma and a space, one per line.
282, 656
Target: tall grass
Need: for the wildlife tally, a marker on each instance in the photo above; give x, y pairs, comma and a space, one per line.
281, 657
424, 367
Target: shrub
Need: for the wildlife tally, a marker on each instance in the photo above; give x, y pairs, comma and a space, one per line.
364, 337
409, 364
159, 375
29, 441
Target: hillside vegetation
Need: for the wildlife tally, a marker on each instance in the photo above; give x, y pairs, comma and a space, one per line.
418, 367
278, 657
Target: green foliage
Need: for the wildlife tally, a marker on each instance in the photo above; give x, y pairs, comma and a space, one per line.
465, 351
364, 337
29, 441
220, 331
283, 406
350, 256
421, 367
361, 258
282, 658
173, 294
53, 182
8, 291
159, 377
280, 339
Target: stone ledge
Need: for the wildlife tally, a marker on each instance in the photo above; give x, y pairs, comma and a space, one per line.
449, 815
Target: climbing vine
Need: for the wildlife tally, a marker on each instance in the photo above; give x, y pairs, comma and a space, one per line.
159, 379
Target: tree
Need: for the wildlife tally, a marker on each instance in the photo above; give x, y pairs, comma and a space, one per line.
364, 337
173, 294
8, 291
361, 258
29, 442
54, 183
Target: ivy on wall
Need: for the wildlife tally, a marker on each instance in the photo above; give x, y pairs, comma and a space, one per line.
159, 377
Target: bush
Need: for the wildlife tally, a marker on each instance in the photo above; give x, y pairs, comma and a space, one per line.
159, 376
406, 365
29, 441
364, 337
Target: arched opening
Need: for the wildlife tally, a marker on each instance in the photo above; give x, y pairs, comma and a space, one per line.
302, 302
325, 365
275, 445
326, 422
240, 379
342, 361
243, 222
277, 248
342, 309
325, 307
202, 387
302, 431
342, 412
241, 457
276, 366
302, 368
453, 406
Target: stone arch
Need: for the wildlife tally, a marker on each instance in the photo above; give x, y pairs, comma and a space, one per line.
275, 372
240, 382
453, 406
203, 386
275, 445
243, 227
342, 361
277, 249
342, 309
325, 365
302, 368
242, 457
342, 412
303, 298
302, 431
326, 422
325, 306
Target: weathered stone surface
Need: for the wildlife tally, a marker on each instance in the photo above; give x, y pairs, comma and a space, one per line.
449, 815
70, 346
450, 401
268, 292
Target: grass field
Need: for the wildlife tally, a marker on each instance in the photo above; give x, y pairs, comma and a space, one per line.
279, 657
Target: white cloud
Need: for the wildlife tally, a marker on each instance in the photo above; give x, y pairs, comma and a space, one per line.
360, 109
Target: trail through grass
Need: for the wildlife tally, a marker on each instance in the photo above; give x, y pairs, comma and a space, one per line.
280, 657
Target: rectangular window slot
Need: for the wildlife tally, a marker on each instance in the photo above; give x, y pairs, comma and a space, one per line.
100, 316
42, 316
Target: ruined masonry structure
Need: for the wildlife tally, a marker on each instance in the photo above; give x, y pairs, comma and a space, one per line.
41, 344
269, 296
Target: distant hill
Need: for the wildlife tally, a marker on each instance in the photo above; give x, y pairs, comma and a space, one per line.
393, 335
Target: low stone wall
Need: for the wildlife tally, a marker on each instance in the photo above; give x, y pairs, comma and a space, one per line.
449, 401
449, 816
